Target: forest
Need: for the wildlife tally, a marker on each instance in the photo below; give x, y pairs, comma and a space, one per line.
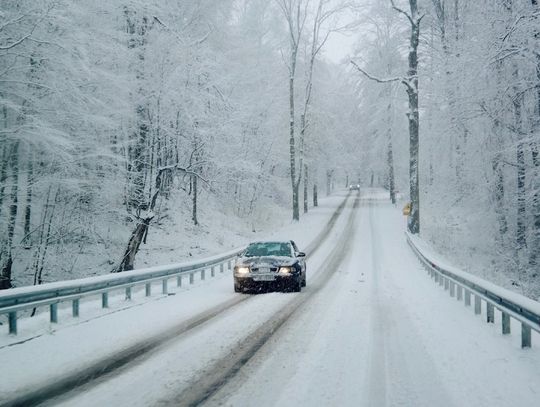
131, 127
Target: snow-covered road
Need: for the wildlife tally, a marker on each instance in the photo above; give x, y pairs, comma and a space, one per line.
370, 329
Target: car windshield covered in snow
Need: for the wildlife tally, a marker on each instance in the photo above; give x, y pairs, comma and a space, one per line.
268, 249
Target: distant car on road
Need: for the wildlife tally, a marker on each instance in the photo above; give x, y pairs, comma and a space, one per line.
354, 187
277, 264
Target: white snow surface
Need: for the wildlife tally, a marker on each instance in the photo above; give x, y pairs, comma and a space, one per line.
378, 333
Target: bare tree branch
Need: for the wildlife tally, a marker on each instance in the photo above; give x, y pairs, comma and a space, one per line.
399, 10
379, 80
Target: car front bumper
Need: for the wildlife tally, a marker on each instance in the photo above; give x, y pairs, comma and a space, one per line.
256, 281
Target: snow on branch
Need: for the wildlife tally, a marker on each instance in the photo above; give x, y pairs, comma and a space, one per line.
379, 80
185, 170
178, 37
413, 19
399, 10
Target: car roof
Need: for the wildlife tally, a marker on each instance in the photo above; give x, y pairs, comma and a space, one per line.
271, 241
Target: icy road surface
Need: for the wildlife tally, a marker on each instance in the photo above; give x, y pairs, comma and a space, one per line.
370, 329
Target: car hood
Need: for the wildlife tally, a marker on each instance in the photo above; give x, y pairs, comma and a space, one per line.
276, 261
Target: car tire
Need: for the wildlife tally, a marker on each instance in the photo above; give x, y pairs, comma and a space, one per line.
296, 286
304, 282
238, 288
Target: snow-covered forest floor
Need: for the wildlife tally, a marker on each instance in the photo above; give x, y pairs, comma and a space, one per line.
172, 239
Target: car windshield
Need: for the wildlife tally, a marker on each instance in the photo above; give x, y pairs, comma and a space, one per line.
268, 249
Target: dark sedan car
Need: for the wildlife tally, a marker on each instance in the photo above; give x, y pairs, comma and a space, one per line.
277, 264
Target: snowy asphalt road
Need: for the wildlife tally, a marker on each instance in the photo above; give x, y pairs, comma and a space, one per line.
370, 329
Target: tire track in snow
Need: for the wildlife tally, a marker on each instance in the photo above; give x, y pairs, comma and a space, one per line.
100, 370
202, 388
377, 364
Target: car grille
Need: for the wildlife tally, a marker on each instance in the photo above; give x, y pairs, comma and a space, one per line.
264, 269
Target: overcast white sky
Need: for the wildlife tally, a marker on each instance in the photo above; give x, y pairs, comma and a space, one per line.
339, 46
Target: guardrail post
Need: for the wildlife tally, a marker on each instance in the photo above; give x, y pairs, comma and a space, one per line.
452, 288
221, 268
75, 308
525, 336
179, 280
105, 300
459, 292
12, 320
446, 284
148, 289
467, 298
441, 280
490, 313
212, 271
128, 293
477, 305
53, 308
229, 264
191, 278
164, 288
505, 323
203, 274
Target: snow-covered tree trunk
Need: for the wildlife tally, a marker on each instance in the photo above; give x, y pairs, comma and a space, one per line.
194, 191
411, 82
390, 163
3, 172
306, 188
295, 15
521, 219
6, 257
535, 238
27, 238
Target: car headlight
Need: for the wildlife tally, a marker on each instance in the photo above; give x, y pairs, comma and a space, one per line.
242, 270
285, 270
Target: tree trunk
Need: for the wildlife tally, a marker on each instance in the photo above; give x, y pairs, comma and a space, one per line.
315, 199
521, 220
3, 174
390, 152
138, 154
390, 159
328, 182
292, 147
305, 188
143, 223
27, 241
43, 247
414, 120
195, 192
134, 243
534, 253
6, 259
499, 195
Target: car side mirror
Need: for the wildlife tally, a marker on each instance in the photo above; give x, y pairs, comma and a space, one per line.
300, 254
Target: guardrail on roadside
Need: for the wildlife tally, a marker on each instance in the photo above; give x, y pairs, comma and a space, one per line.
463, 285
15, 300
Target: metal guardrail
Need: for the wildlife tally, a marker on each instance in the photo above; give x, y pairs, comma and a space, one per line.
462, 285
15, 300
